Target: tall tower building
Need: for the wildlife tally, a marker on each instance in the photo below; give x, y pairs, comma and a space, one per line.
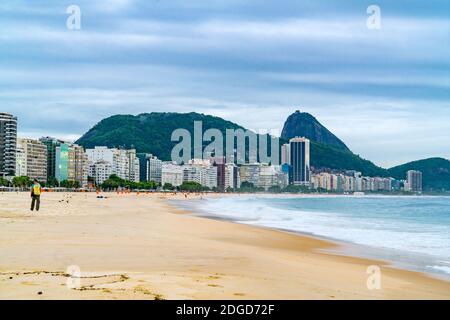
414, 181
300, 161
220, 164
8, 144
52, 144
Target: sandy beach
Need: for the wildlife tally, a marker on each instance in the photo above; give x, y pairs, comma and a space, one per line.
140, 247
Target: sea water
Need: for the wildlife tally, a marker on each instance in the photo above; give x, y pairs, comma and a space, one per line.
410, 231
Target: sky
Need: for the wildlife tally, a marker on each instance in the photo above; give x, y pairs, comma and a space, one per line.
384, 92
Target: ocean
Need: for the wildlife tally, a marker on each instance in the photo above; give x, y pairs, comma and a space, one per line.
412, 232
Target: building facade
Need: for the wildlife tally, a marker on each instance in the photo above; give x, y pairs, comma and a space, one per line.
150, 167
171, 174
100, 171
300, 161
201, 171
249, 173
51, 144
71, 164
286, 154
414, 181
31, 159
8, 144
21, 161
232, 178
124, 163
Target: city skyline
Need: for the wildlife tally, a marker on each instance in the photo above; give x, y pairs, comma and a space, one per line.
265, 60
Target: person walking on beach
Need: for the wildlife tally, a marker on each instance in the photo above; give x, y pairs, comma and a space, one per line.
36, 195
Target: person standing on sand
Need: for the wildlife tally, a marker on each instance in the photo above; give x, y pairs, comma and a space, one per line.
35, 195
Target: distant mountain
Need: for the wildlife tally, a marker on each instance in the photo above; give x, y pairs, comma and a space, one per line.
436, 172
302, 124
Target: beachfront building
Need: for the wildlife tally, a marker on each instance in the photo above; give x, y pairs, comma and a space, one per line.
249, 172
124, 163
8, 144
201, 171
286, 154
150, 167
264, 176
232, 178
79, 164
31, 159
220, 164
413, 181
270, 176
51, 144
134, 166
350, 181
171, 174
300, 161
21, 161
121, 164
154, 169
100, 171
71, 163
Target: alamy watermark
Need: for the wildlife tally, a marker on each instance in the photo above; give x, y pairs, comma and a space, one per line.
235, 141
374, 279
73, 21
73, 277
374, 20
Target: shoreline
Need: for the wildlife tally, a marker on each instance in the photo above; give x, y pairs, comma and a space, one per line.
141, 247
336, 246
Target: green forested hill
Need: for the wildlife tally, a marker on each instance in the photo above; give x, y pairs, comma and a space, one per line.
327, 156
150, 132
436, 172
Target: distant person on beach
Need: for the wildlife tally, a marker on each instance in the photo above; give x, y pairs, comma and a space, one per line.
36, 195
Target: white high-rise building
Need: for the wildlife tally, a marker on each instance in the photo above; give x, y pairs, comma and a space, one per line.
21, 161
232, 178
100, 154
100, 171
154, 169
201, 171
171, 173
134, 167
124, 163
414, 181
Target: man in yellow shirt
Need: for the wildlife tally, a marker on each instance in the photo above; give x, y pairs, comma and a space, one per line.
36, 195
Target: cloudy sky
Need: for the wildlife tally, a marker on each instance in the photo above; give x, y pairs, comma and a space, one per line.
384, 92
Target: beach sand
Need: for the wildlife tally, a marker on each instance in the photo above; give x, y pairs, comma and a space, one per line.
139, 247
